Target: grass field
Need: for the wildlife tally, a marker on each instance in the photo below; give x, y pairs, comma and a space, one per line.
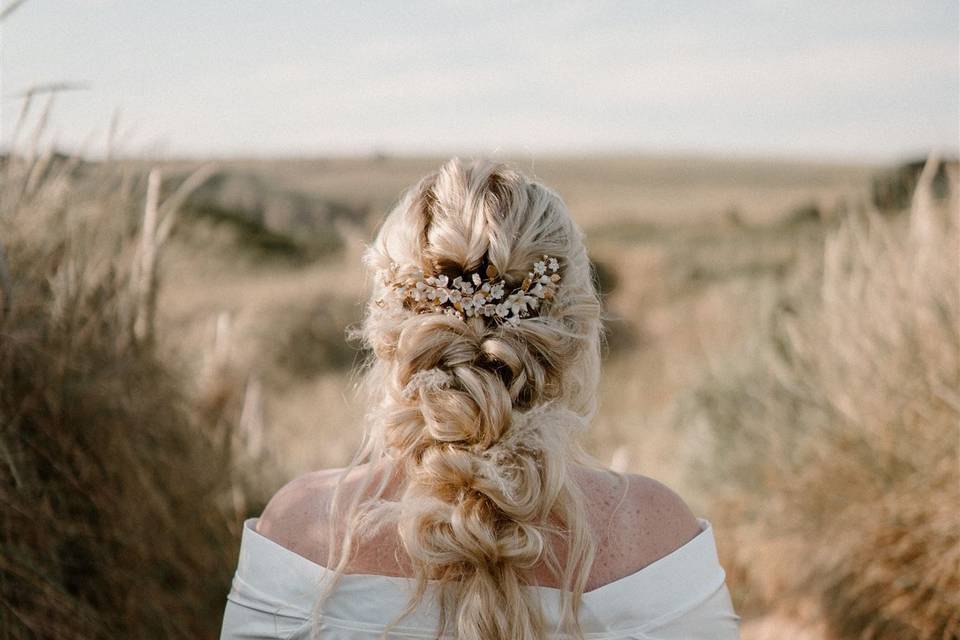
783, 356
688, 248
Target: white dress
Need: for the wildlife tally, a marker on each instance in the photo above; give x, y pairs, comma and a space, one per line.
682, 596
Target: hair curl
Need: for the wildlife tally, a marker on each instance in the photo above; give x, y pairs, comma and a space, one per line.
481, 418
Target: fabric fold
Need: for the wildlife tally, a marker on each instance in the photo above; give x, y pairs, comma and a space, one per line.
669, 598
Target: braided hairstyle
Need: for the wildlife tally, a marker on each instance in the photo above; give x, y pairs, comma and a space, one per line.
481, 416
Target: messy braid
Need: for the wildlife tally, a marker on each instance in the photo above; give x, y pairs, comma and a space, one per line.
481, 416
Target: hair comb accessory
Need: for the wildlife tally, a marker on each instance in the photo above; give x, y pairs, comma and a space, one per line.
472, 295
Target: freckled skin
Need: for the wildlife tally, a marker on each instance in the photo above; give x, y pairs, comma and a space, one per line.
636, 523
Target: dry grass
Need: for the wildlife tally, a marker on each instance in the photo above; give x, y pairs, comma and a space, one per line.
120, 480
680, 263
834, 436
128, 451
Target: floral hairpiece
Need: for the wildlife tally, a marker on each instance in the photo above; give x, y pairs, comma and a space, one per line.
471, 295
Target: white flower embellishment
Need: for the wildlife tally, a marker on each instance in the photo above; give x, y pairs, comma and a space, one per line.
471, 295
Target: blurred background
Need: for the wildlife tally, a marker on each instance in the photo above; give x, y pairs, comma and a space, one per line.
769, 192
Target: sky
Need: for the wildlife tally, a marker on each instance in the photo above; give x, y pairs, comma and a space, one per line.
820, 80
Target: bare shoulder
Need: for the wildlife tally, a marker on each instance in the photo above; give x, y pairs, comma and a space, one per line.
645, 521
655, 511
296, 515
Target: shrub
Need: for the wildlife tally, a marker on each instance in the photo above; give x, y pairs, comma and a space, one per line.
121, 504
834, 439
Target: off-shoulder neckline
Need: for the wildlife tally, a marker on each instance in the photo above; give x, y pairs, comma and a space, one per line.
701, 543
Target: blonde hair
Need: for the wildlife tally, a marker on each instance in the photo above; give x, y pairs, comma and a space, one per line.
480, 417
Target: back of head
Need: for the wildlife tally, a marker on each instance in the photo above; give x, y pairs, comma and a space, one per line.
484, 326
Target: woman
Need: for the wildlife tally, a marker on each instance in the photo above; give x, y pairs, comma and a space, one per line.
470, 510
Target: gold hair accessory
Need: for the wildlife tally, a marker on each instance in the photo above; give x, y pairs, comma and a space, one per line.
469, 295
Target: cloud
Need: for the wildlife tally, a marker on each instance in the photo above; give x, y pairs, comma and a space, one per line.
767, 77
